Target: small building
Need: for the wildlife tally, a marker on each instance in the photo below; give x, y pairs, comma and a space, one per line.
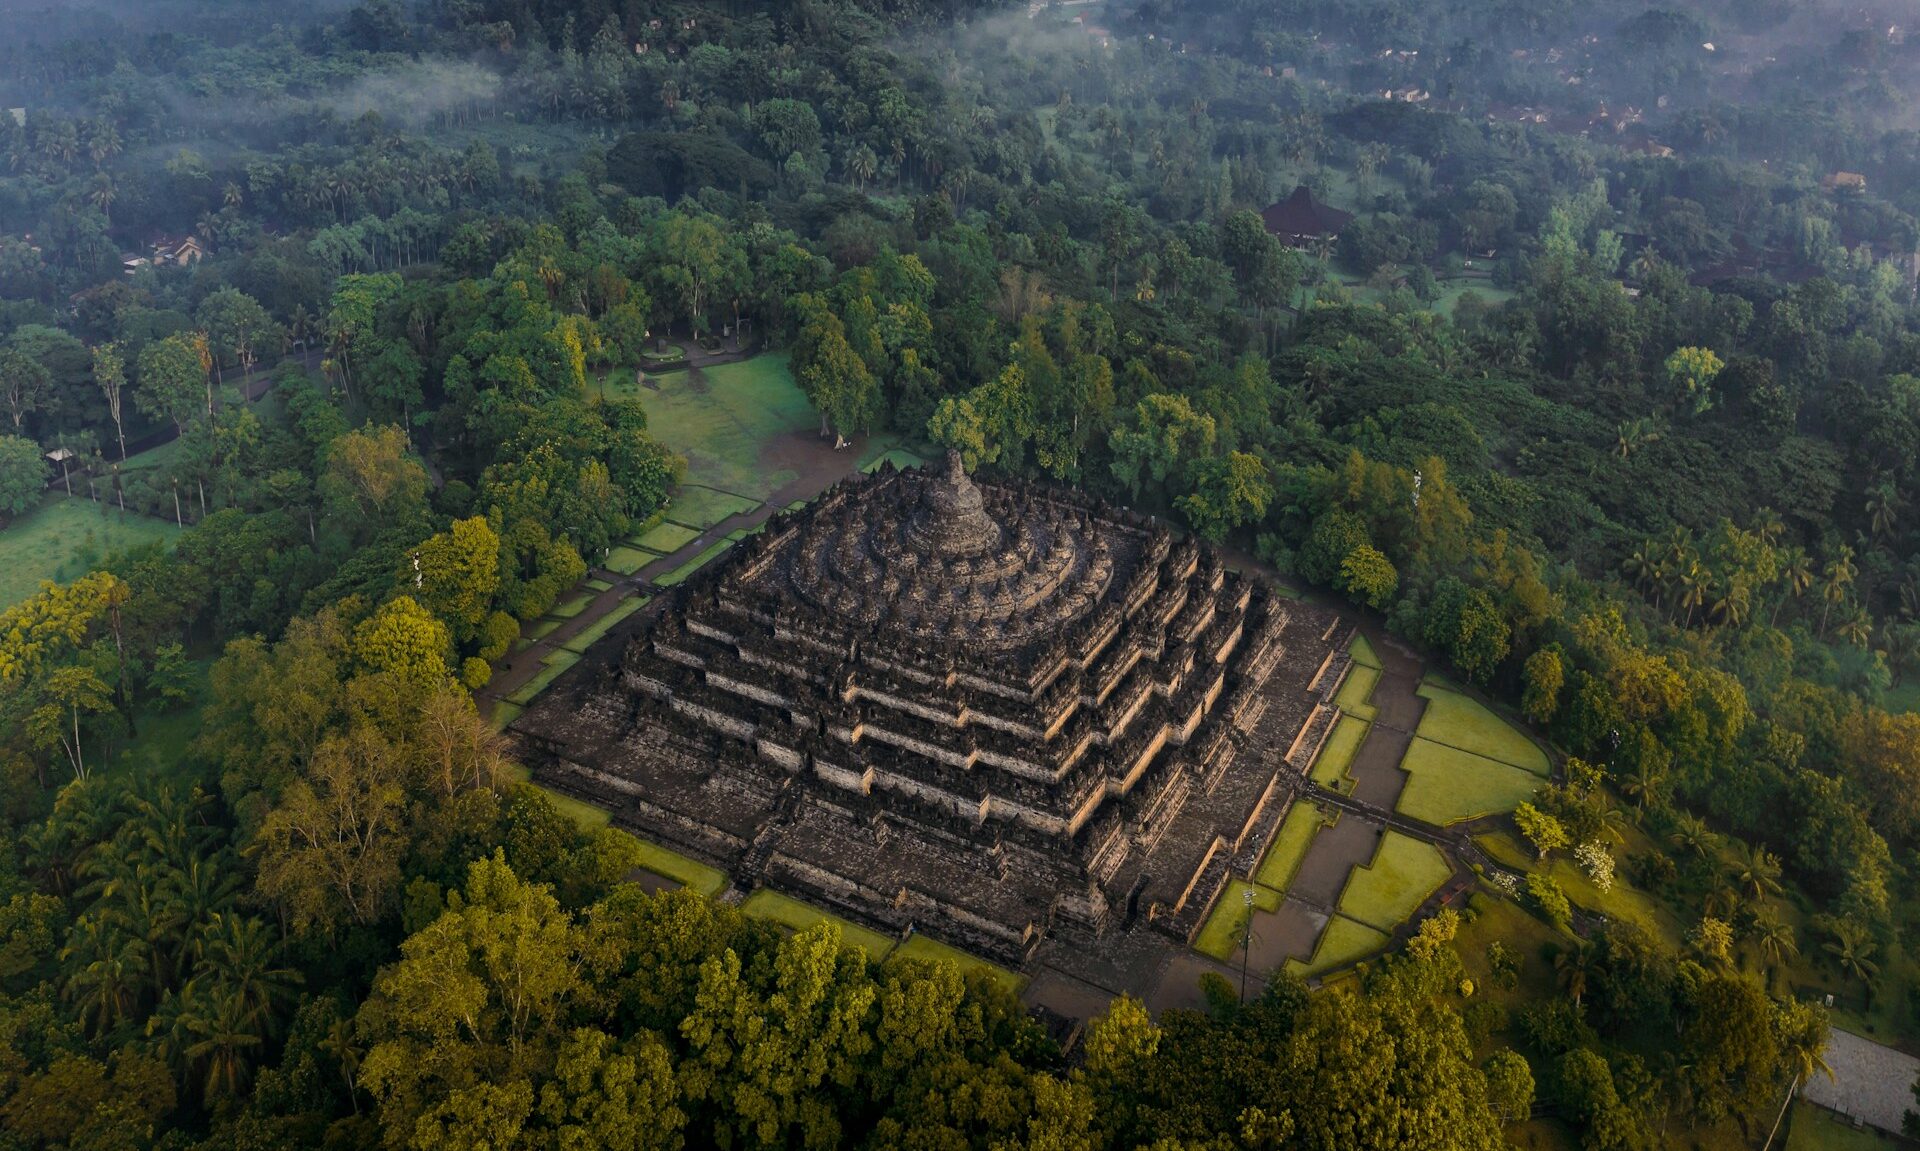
169, 251
1301, 221
1843, 182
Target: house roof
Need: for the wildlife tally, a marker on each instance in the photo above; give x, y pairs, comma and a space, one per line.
1301, 215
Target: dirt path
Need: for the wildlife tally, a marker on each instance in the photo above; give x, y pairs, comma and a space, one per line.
819, 467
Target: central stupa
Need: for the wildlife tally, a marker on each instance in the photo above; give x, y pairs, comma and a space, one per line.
991, 712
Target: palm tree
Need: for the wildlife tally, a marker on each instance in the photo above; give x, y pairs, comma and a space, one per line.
1643, 785
239, 955
1772, 937
107, 969
1883, 509
1756, 871
1768, 526
1857, 627
1852, 953
1574, 965
102, 194
1836, 578
1796, 572
1633, 435
1691, 833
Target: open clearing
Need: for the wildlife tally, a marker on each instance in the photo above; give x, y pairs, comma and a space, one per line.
1403, 873
771, 905
721, 418
1446, 785
63, 539
1465, 723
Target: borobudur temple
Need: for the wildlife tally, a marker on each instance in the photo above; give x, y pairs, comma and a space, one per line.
993, 712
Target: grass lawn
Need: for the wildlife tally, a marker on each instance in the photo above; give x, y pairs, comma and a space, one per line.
591, 633
1344, 942
1403, 873
1902, 697
1817, 1129
504, 713
769, 904
680, 574
585, 815
556, 662
1357, 689
1620, 901
1220, 935
540, 628
665, 538
721, 417
1463, 722
627, 560
901, 457
65, 538
1330, 766
1289, 846
921, 947
573, 606
597, 585
704, 507
688, 873
1363, 653
1447, 785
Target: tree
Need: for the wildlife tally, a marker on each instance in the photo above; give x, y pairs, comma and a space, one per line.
1690, 374
838, 382
65, 694
23, 475
110, 372
25, 383
455, 574
369, 478
1164, 433
1369, 577
172, 379
1509, 1085
405, 641
330, 852
1464, 622
1546, 833
1227, 492
237, 325
1543, 676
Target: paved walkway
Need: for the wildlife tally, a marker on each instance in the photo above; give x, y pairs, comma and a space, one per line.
1871, 1081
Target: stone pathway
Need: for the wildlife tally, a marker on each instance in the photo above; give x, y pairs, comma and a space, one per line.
1871, 1081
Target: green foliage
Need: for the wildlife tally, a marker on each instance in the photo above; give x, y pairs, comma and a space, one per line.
23, 475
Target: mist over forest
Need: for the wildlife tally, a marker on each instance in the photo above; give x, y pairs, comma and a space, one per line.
383, 377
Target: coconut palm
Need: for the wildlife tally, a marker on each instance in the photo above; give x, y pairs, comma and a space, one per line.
1883, 509
1691, 834
1643, 785
1796, 575
1756, 872
1852, 952
1835, 578
1773, 938
1574, 965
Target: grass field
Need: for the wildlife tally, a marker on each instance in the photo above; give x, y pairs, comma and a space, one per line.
1816, 1129
1289, 847
720, 417
1463, 722
680, 574
1343, 942
1447, 785
921, 947
504, 713
63, 539
769, 904
1330, 766
1403, 873
1621, 901
1357, 689
665, 538
1363, 653
591, 634
627, 560
1220, 935
686, 872
703, 507
556, 663
572, 606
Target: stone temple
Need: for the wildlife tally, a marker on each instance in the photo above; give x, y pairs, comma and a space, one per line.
995, 713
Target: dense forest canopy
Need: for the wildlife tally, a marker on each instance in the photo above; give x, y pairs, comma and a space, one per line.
1608, 398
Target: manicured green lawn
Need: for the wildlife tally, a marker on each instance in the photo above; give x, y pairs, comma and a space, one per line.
1289, 846
627, 560
1816, 1129
1403, 873
680, 574
1447, 785
666, 538
901, 457
572, 606
1357, 689
1343, 942
688, 873
1220, 935
921, 947
1330, 767
591, 634
556, 662
597, 585
1363, 653
65, 538
702, 507
504, 713
721, 417
540, 628
767, 903
1463, 722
